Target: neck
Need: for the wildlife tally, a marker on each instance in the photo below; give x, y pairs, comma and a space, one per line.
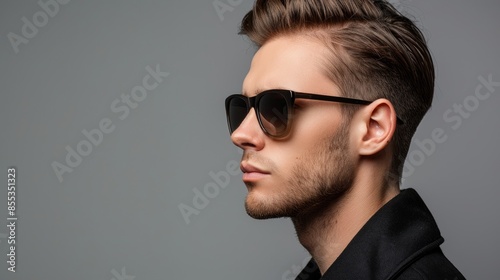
326, 230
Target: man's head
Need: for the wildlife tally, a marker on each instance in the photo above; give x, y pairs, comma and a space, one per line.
351, 48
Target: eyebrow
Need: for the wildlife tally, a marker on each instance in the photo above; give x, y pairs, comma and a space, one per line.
255, 92
259, 90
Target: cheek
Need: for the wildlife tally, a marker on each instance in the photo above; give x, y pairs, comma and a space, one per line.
301, 150
317, 118
310, 129
314, 124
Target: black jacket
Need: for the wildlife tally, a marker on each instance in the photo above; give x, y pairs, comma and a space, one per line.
401, 241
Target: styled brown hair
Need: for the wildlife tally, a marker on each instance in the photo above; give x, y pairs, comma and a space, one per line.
375, 52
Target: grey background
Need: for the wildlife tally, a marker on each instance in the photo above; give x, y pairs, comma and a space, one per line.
118, 209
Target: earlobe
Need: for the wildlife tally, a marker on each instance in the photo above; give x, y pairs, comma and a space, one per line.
380, 121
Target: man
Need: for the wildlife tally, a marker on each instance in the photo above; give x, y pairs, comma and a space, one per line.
332, 99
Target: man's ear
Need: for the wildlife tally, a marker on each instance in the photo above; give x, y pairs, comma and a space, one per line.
378, 126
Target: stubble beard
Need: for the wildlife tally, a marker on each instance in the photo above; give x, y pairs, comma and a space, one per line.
316, 182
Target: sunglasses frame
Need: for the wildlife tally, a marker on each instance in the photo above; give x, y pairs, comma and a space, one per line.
290, 97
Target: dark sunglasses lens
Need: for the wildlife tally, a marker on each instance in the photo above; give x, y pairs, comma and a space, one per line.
237, 111
273, 108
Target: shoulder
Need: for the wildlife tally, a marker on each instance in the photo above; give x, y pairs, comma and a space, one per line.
433, 265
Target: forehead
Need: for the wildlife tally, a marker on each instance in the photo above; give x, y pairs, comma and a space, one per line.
288, 62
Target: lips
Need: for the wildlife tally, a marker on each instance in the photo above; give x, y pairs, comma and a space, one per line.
252, 173
248, 168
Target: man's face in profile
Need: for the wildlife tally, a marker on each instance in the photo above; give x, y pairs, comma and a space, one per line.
313, 164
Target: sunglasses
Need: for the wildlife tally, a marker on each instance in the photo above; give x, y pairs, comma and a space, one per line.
274, 109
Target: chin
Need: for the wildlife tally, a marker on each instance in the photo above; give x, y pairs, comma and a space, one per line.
263, 206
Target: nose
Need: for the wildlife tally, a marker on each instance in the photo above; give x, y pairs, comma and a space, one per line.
249, 135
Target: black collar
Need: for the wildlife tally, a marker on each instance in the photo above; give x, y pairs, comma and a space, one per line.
396, 235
